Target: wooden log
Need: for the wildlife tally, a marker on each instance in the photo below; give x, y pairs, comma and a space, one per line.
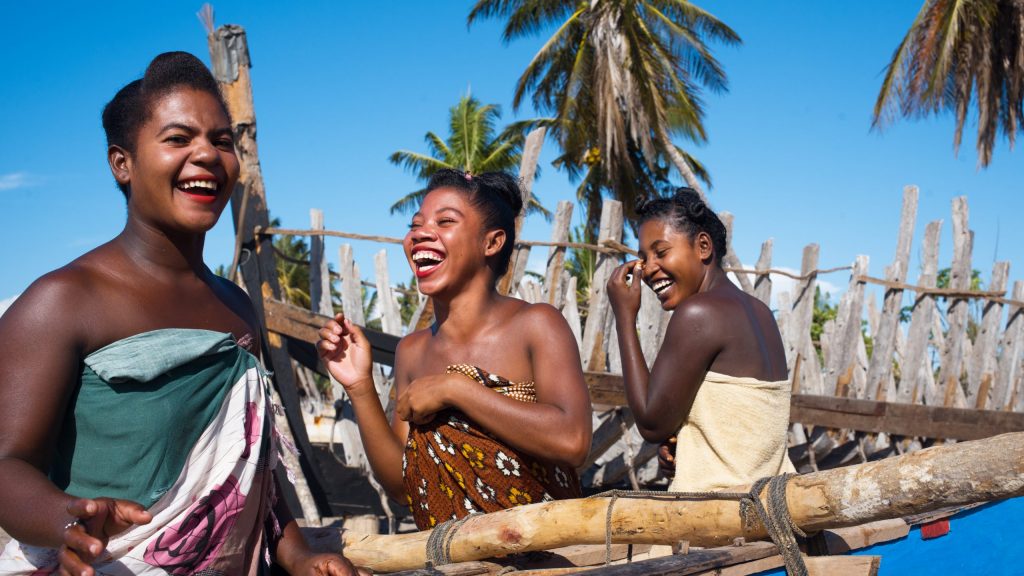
517, 267
982, 369
731, 259
1011, 346
593, 332
229, 53
571, 312
553, 293
695, 562
848, 332
763, 283
880, 370
926, 480
951, 368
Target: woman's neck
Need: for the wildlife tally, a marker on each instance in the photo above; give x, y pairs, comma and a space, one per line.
715, 278
160, 251
462, 315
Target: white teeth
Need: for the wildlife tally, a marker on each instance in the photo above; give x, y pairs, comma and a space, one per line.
207, 184
661, 285
425, 256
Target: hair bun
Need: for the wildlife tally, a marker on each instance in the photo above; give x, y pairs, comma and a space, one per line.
504, 186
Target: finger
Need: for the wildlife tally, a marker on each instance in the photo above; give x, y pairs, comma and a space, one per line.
363, 572
85, 547
331, 332
131, 512
83, 508
358, 338
72, 564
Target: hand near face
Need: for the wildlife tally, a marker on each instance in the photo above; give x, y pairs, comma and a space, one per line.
625, 298
98, 520
426, 396
346, 352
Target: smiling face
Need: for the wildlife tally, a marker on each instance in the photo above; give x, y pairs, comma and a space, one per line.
675, 266
184, 167
447, 244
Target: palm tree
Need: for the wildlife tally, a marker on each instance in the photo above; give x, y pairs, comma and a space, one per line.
957, 51
472, 146
620, 79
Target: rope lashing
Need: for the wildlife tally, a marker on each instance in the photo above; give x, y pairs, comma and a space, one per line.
776, 518
439, 543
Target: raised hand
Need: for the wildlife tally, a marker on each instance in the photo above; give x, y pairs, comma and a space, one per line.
345, 352
625, 297
98, 519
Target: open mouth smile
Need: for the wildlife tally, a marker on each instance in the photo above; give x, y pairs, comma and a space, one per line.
660, 286
202, 190
426, 261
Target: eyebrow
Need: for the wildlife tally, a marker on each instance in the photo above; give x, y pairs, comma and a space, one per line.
192, 129
450, 209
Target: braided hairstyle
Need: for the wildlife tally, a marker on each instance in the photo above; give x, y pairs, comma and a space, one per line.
499, 199
688, 214
132, 106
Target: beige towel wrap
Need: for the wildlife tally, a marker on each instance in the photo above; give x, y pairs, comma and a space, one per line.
736, 432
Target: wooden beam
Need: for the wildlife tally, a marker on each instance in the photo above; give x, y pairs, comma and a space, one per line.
861, 415
301, 324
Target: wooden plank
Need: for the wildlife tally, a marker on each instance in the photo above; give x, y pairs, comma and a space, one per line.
594, 331
527, 169
798, 325
952, 366
391, 320
608, 433
553, 293
649, 324
731, 259
763, 283
295, 322
517, 267
319, 272
843, 540
843, 359
816, 566
880, 369
693, 563
915, 371
351, 286
1011, 346
858, 414
571, 312
903, 419
982, 370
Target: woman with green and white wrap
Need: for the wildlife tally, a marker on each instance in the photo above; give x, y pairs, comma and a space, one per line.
136, 431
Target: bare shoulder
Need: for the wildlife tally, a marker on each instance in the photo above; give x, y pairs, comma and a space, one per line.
412, 345
540, 319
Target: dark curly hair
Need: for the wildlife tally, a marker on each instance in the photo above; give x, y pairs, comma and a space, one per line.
498, 198
688, 214
132, 105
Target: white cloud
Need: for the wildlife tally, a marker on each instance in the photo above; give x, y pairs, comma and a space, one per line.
6, 303
16, 180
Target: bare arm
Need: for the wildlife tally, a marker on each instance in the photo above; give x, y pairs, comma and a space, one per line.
556, 428
661, 398
347, 355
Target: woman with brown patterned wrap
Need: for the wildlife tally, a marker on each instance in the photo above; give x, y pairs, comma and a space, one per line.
464, 440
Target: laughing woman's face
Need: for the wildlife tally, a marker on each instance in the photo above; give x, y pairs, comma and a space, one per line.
674, 264
184, 167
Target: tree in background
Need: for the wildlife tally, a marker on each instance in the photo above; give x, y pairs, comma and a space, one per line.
472, 146
621, 78
957, 51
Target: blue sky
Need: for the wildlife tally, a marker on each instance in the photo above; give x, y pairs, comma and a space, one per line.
340, 85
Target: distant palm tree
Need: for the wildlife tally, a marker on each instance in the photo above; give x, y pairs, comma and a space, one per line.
472, 146
957, 51
621, 78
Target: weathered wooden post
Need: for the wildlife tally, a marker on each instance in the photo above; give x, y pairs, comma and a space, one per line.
916, 380
952, 365
229, 54
880, 370
594, 332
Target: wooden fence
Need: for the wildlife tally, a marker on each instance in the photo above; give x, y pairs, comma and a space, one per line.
946, 372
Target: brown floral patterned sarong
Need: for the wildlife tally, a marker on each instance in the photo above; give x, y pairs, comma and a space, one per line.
452, 468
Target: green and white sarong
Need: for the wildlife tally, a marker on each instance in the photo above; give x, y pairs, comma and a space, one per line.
180, 421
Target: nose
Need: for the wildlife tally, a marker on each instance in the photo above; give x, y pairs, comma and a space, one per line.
204, 152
